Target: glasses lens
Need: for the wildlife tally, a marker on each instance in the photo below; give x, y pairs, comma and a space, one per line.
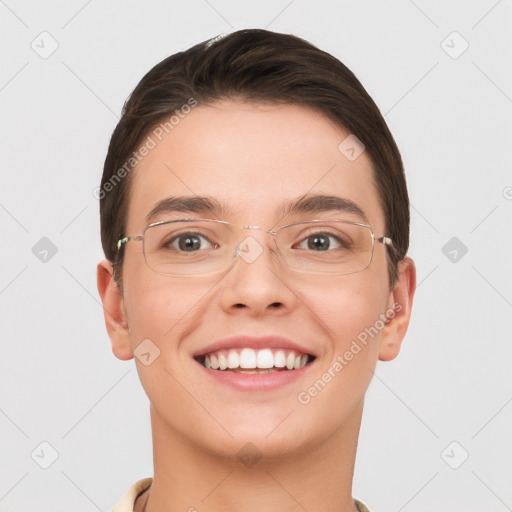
332, 247
188, 247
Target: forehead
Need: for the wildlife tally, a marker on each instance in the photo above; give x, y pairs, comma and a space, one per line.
253, 159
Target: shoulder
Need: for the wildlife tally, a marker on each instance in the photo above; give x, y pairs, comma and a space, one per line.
127, 502
360, 506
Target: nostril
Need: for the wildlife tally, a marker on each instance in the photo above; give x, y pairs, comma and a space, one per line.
239, 305
276, 304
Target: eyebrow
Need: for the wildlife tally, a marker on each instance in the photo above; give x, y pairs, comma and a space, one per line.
187, 204
318, 203
311, 204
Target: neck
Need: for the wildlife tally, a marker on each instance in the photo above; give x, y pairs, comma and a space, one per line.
188, 478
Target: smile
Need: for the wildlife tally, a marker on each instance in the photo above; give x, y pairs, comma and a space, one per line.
254, 361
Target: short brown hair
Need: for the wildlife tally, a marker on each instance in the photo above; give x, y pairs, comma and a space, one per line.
261, 66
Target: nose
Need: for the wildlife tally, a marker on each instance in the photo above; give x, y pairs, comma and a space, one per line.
257, 283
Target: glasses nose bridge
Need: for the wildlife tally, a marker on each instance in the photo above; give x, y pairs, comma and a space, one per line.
269, 231
252, 228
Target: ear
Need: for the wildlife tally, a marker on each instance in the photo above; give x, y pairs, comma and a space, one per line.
114, 311
399, 310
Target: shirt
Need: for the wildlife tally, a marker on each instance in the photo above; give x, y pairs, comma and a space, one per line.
127, 503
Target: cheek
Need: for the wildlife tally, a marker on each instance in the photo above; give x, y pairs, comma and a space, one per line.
349, 309
163, 311
159, 307
346, 306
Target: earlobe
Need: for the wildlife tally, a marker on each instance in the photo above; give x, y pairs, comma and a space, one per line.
114, 311
399, 310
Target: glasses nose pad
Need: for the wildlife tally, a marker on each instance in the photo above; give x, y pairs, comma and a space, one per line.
250, 248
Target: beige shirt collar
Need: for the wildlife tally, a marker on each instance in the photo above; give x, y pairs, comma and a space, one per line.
127, 503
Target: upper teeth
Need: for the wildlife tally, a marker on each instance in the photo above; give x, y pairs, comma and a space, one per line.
248, 358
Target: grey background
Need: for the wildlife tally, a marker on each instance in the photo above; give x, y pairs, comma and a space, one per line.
451, 119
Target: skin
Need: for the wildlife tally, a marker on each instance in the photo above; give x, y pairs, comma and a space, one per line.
253, 157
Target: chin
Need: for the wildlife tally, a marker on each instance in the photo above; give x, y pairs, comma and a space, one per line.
268, 439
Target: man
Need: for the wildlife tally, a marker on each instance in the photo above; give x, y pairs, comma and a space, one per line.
255, 222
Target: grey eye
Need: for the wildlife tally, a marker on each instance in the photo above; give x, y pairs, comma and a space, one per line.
320, 242
189, 242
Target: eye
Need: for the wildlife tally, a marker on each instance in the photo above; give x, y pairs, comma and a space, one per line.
321, 242
189, 242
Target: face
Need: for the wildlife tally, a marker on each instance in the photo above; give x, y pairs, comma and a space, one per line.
255, 160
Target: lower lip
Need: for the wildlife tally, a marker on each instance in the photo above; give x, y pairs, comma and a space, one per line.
256, 381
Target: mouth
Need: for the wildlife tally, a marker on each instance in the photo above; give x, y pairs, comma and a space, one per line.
255, 361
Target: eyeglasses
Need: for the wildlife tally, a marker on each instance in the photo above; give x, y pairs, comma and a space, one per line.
202, 247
